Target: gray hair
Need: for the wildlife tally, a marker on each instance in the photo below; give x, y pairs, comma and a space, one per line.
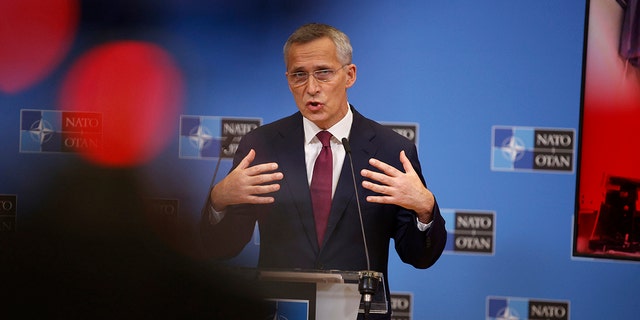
314, 31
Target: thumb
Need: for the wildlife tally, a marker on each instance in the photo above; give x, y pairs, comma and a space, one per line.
247, 160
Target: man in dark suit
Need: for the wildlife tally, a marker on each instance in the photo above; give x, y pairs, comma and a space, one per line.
272, 180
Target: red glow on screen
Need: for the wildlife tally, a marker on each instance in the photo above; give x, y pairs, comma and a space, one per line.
137, 89
610, 120
34, 37
611, 145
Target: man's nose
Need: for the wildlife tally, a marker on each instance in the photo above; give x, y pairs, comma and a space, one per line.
313, 85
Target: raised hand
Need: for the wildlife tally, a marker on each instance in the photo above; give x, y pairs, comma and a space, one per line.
247, 184
404, 189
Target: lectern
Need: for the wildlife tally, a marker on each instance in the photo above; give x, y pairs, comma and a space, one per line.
316, 295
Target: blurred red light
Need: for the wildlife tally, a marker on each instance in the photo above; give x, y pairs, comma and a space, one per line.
34, 37
138, 90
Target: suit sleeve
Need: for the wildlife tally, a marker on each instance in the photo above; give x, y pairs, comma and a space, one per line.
420, 249
226, 237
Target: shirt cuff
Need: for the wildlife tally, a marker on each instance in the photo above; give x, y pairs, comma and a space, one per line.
423, 226
215, 216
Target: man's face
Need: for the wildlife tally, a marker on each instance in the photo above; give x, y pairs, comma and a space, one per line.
324, 103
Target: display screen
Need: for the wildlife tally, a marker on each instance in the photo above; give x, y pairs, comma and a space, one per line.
607, 216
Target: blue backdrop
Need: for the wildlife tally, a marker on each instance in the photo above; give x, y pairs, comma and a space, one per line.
454, 68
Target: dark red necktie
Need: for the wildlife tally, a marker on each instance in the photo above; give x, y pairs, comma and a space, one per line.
321, 185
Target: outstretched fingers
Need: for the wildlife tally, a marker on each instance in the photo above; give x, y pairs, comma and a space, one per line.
247, 184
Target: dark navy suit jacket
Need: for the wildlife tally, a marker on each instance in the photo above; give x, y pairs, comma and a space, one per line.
287, 231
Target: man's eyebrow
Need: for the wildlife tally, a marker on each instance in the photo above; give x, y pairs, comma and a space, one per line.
297, 69
314, 68
322, 67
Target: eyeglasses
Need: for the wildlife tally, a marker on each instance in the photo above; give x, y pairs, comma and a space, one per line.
300, 78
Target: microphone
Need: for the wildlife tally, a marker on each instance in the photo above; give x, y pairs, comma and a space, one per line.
369, 279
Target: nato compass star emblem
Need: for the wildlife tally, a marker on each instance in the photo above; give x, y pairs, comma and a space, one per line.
41, 131
507, 314
513, 148
200, 137
276, 314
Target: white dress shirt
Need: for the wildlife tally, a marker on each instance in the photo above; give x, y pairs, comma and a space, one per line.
313, 146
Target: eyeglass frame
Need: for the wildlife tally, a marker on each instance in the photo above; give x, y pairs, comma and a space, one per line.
315, 75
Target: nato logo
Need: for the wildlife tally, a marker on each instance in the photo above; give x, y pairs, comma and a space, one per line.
288, 309
8, 212
59, 131
473, 231
207, 137
510, 308
408, 130
532, 149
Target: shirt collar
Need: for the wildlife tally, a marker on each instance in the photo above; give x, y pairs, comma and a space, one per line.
339, 130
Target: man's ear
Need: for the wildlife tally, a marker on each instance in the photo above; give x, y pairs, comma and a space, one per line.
351, 75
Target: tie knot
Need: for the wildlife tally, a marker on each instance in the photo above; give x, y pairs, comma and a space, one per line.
324, 137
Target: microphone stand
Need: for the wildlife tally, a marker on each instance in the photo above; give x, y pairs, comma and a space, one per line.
368, 279
223, 147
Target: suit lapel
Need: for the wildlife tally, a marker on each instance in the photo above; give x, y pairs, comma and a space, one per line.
291, 158
290, 155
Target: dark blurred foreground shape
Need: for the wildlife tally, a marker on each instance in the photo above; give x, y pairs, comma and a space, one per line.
89, 251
